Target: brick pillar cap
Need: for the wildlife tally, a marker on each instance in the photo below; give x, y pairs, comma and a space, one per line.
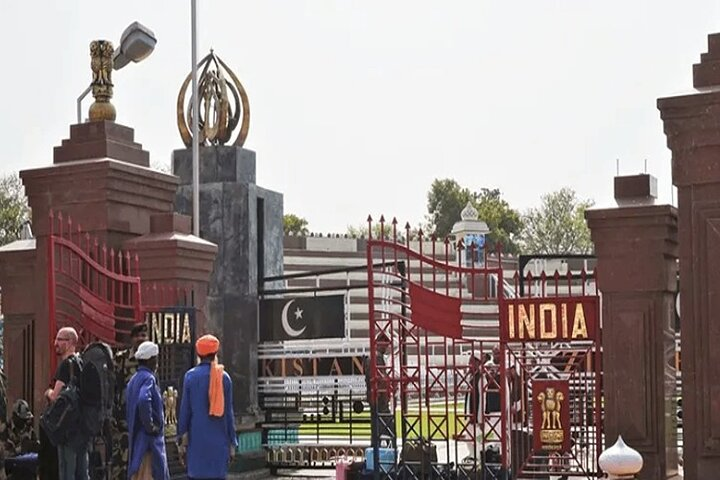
170, 222
634, 190
707, 72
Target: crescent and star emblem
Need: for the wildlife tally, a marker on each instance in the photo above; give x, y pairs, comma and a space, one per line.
291, 332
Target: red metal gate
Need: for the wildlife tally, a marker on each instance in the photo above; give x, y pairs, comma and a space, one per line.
430, 305
97, 290
461, 365
550, 343
91, 287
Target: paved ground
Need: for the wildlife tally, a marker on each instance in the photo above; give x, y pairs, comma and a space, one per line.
305, 474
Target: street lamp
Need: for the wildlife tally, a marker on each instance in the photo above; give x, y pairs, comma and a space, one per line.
136, 43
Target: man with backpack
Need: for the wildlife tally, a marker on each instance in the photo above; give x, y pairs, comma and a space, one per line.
73, 450
146, 419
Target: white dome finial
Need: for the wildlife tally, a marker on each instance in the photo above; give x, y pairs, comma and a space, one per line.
469, 212
620, 461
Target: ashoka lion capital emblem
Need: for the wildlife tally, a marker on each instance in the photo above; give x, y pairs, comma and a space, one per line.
551, 430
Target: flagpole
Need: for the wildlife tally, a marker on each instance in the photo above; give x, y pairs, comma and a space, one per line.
195, 125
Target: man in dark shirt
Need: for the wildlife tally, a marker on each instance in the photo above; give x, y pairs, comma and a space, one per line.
473, 399
72, 456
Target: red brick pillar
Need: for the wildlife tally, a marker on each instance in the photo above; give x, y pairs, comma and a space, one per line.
100, 178
169, 255
692, 126
636, 248
19, 297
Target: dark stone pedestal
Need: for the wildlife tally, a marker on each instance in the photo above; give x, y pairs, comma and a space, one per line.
691, 126
636, 249
245, 221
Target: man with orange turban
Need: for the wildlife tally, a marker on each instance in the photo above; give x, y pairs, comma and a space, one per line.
206, 423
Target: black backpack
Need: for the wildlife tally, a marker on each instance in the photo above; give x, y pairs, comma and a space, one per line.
62, 421
84, 407
97, 387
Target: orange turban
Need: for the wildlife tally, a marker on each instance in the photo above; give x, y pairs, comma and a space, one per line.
207, 345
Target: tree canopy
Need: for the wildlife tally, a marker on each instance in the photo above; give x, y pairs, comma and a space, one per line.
447, 198
295, 225
558, 226
14, 210
361, 231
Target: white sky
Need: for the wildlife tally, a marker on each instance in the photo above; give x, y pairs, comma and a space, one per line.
356, 106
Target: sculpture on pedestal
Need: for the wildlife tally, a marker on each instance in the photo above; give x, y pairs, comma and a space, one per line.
223, 105
101, 63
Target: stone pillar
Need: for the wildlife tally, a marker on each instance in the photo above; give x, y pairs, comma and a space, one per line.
245, 221
636, 248
170, 255
691, 125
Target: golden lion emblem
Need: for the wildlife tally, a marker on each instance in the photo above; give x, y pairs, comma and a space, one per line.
551, 403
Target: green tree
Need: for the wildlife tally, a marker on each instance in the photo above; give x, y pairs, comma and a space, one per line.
294, 225
362, 230
14, 210
447, 198
504, 222
445, 201
558, 226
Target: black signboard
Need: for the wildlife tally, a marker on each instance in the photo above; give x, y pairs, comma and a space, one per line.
173, 329
302, 318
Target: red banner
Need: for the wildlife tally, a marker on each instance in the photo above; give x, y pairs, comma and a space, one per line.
434, 312
549, 319
551, 415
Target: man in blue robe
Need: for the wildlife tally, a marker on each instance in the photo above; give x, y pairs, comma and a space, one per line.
206, 420
145, 419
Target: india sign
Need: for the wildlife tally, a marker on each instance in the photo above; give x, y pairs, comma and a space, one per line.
549, 319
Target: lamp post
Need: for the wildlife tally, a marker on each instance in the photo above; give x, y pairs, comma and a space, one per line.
136, 43
195, 123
